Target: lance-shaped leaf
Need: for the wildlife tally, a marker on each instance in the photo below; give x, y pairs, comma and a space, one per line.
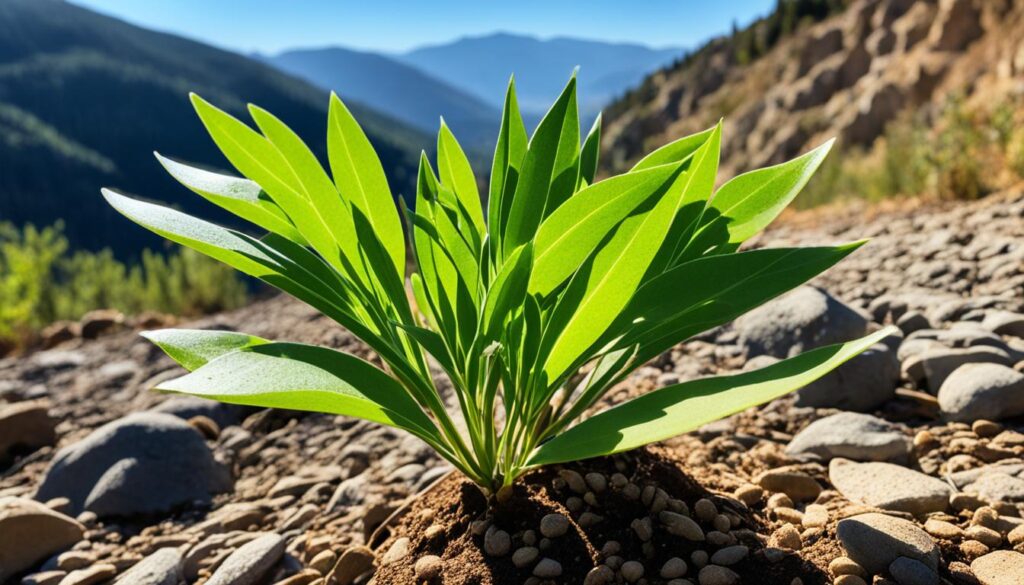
751, 201
456, 174
258, 159
570, 234
360, 177
240, 196
508, 290
548, 174
676, 151
308, 378
603, 286
589, 155
680, 408
508, 157
193, 348
708, 292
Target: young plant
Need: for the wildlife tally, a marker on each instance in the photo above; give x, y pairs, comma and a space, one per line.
533, 309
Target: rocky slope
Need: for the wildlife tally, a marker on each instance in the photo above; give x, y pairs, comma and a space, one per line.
846, 76
906, 464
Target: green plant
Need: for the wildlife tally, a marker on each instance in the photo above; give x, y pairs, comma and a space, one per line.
533, 310
40, 282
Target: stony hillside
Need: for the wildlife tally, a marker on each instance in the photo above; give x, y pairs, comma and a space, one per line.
846, 76
907, 463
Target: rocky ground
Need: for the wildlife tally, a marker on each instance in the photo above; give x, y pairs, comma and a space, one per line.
906, 466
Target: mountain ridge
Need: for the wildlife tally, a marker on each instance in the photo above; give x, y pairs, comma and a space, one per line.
85, 98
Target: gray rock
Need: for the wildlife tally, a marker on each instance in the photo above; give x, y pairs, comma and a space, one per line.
186, 407
889, 486
1004, 323
30, 532
982, 391
912, 321
861, 437
160, 568
875, 540
938, 364
997, 487
144, 463
1001, 567
912, 572
248, 564
862, 384
798, 321
25, 426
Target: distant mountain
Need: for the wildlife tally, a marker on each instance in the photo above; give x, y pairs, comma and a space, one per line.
85, 99
395, 88
481, 65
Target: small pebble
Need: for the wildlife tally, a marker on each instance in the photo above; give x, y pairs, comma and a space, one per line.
705, 510
632, 571
597, 482
525, 556
787, 536
715, 575
574, 480
749, 494
497, 543
973, 549
984, 535
849, 580
673, 568
779, 500
845, 566
427, 568
986, 428
730, 555
600, 575
547, 569
554, 525
699, 558
815, 516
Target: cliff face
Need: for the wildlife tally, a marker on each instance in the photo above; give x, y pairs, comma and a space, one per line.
846, 76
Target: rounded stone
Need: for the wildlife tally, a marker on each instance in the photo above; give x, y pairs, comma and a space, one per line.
525, 556
861, 437
889, 486
30, 532
547, 569
912, 572
875, 540
248, 564
1002, 567
715, 575
673, 568
554, 525
428, 568
982, 391
632, 571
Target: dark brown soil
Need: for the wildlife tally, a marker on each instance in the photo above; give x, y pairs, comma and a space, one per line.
455, 503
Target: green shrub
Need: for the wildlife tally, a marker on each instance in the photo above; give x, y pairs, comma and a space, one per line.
534, 309
41, 282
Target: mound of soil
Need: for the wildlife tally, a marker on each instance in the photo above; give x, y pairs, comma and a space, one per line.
621, 514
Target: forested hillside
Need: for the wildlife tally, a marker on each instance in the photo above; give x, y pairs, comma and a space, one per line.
85, 99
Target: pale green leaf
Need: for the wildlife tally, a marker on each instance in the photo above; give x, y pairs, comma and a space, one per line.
193, 348
456, 173
680, 408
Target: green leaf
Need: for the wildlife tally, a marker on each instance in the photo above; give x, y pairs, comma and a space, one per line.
675, 151
242, 197
749, 202
708, 292
570, 234
508, 290
680, 408
589, 154
193, 348
457, 175
508, 156
360, 177
305, 377
602, 287
549, 170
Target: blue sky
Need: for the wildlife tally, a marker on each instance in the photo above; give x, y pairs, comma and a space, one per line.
397, 25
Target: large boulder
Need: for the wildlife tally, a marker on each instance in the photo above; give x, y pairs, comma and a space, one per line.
803, 319
862, 384
144, 463
25, 426
30, 532
982, 391
851, 435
